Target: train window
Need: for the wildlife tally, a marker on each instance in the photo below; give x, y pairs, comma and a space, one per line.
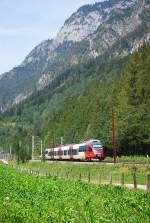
82, 148
74, 152
65, 152
88, 148
70, 152
96, 143
55, 153
60, 153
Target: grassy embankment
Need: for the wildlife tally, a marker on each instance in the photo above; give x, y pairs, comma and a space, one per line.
27, 199
96, 170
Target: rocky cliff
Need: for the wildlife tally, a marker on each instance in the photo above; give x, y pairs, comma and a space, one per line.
114, 27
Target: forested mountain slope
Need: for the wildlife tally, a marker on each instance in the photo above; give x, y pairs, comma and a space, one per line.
89, 116
113, 28
86, 110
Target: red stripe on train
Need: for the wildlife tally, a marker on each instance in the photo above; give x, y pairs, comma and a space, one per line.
70, 153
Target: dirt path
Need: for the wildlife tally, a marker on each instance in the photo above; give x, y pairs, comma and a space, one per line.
91, 181
130, 186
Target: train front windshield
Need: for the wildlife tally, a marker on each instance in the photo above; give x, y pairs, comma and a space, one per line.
97, 146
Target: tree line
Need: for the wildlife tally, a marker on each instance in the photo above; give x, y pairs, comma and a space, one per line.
82, 108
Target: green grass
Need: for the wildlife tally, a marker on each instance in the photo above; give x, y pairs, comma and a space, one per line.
140, 159
96, 170
28, 199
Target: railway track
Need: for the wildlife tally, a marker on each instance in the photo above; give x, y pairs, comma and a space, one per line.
101, 162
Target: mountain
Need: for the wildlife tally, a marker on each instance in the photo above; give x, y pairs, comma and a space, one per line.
107, 29
90, 115
86, 110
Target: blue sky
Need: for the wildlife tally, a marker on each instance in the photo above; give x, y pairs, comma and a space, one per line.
26, 23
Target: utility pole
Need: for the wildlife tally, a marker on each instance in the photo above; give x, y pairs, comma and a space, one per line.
10, 154
61, 140
41, 148
114, 134
32, 147
53, 139
53, 144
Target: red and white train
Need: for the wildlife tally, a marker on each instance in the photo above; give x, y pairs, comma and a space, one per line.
86, 151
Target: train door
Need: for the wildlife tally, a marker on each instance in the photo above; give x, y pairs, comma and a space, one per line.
89, 154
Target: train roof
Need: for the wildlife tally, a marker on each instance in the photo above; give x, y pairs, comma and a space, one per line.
92, 141
79, 144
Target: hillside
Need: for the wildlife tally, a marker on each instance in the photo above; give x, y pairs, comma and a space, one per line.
33, 114
89, 116
86, 110
112, 28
